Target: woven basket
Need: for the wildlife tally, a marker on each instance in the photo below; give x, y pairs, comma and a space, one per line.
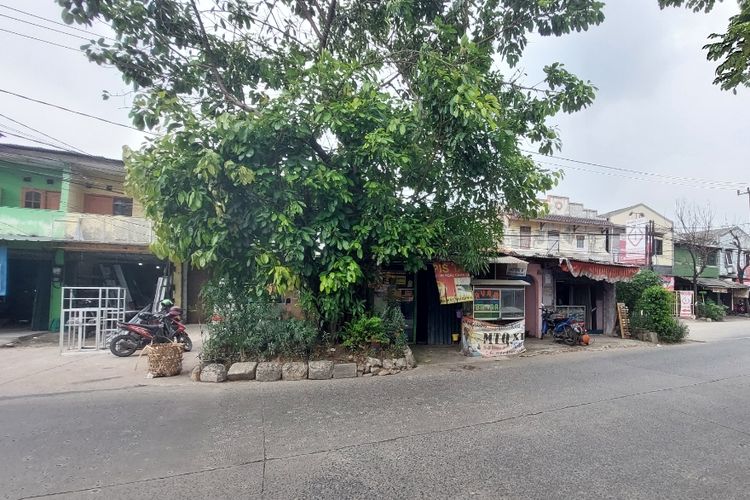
164, 360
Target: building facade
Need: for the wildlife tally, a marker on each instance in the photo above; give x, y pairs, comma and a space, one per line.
573, 257
65, 220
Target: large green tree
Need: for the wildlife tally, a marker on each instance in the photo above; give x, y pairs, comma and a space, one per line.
731, 49
308, 143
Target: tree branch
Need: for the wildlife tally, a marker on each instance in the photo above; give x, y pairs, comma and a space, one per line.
309, 18
214, 71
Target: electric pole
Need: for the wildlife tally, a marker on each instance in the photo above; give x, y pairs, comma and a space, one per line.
745, 193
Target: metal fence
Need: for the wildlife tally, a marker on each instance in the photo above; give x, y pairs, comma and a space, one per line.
89, 317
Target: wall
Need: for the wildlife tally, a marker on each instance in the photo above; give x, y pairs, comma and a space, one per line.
78, 190
12, 183
533, 300
683, 265
662, 225
596, 248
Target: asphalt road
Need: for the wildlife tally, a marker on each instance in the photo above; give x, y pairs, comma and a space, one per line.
659, 422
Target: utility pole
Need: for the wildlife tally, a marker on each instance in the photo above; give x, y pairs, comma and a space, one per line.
745, 193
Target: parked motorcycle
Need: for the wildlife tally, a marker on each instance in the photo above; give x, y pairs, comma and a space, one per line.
566, 330
147, 328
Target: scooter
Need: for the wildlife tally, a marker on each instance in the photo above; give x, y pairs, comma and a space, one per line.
156, 328
566, 330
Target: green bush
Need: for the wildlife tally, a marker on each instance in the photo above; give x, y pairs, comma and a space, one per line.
654, 311
393, 325
250, 327
363, 331
711, 310
629, 292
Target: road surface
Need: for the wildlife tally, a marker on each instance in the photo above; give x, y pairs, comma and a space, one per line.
656, 422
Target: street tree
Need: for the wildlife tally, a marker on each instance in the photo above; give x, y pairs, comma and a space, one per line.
741, 243
695, 233
731, 49
307, 143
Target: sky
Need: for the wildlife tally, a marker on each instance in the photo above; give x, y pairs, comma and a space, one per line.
656, 110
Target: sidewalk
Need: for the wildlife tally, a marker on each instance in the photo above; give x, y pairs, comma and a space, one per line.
450, 354
13, 336
732, 327
41, 369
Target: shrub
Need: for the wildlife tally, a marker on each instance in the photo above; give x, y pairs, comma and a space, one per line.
251, 327
629, 292
711, 310
393, 325
364, 330
653, 312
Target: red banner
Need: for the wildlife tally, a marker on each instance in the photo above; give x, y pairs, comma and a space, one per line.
453, 283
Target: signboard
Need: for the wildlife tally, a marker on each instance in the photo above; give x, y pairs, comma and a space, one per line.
633, 246
453, 283
487, 303
686, 303
667, 282
516, 269
479, 338
3, 271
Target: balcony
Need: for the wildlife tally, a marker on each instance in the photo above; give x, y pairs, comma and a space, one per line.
25, 224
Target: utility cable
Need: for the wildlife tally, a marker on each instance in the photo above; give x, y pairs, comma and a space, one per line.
79, 150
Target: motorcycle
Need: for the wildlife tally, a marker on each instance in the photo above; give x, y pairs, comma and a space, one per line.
566, 330
149, 328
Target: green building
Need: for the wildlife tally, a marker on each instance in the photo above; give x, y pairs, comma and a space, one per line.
65, 220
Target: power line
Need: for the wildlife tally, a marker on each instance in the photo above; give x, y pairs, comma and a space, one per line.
40, 40
640, 172
53, 21
80, 113
660, 181
28, 138
46, 27
42, 133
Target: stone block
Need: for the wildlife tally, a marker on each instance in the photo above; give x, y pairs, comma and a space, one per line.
195, 375
295, 370
388, 364
320, 370
268, 372
242, 371
374, 362
214, 372
345, 370
409, 357
400, 363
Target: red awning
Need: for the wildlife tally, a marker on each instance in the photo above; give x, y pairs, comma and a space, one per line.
599, 272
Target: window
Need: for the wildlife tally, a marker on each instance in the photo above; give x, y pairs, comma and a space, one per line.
32, 199
553, 241
728, 257
580, 242
712, 259
39, 199
107, 205
512, 303
658, 246
747, 259
122, 206
525, 241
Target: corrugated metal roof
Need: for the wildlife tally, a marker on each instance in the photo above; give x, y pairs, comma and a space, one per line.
718, 283
580, 221
53, 159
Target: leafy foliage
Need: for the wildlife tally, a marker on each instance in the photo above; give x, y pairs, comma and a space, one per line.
364, 330
305, 144
248, 328
710, 309
393, 325
732, 48
630, 292
654, 311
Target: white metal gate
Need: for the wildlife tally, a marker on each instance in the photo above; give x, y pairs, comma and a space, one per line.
89, 317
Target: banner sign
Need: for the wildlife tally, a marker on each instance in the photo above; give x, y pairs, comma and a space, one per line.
633, 246
479, 338
487, 303
667, 282
453, 283
686, 303
3, 271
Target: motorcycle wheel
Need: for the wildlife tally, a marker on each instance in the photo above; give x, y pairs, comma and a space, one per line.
123, 345
187, 344
571, 337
